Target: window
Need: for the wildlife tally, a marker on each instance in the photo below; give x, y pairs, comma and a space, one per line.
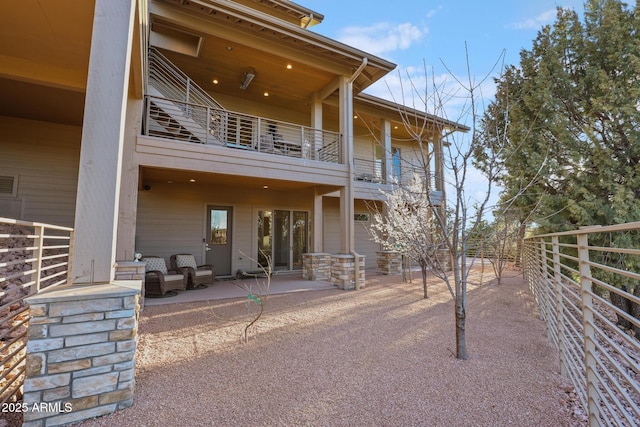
362, 217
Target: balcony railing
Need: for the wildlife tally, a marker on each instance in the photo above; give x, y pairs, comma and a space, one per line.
33, 256
177, 120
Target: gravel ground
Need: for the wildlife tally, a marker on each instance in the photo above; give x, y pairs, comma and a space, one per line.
381, 356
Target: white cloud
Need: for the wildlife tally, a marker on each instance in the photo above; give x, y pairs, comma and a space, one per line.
536, 22
382, 37
433, 12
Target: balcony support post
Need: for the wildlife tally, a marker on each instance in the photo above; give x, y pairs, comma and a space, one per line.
99, 175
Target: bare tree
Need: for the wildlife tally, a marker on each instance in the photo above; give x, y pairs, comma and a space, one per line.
428, 227
257, 293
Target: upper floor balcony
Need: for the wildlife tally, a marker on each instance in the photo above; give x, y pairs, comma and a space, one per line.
176, 108
181, 120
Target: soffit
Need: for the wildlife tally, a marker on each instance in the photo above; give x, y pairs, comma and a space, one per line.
237, 23
151, 175
291, 11
44, 56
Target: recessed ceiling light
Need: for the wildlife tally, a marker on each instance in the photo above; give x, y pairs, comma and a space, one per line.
192, 180
229, 48
289, 66
265, 187
215, 81
266, 94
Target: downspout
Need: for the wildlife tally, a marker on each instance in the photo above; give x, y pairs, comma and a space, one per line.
356, 256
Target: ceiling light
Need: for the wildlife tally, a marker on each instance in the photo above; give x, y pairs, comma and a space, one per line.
265, 187
289, 66
215, 81
192, 180
248, 77
266, 94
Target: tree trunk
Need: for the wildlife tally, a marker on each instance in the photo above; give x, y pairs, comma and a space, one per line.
623, 304
423, 268
461, 320
521, 232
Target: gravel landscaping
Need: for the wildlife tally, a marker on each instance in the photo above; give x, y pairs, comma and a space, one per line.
380, 356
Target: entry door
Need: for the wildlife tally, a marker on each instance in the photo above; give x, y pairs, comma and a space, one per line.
218, 240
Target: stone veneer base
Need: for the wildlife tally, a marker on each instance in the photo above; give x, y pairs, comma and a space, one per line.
80, 352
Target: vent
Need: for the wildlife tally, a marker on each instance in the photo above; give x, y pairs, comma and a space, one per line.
8, 185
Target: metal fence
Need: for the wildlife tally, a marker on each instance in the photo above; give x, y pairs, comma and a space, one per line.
587, 286
33, 256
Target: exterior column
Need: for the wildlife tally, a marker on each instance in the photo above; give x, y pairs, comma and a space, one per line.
318, 232
347, 240
316, 122
385, 140
438, 167
128, 210
97, 202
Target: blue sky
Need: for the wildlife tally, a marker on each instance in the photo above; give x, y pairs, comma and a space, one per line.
411, 33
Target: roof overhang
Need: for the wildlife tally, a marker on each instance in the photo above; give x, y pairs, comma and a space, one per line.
263, 26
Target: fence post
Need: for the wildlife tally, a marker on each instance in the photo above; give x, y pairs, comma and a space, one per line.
543, 280
39, 243
557, 274
589, 330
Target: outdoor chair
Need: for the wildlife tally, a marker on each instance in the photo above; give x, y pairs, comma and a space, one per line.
160, 282
198, 276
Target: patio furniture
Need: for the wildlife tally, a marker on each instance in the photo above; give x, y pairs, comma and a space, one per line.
198, 276
160, 282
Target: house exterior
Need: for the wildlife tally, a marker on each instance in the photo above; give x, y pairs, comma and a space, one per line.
224, 129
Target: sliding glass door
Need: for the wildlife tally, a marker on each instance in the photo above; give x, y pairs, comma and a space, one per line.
283, 236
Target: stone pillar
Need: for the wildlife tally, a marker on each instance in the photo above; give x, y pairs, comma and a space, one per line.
343, 270
389, 263
80, 352
316, 266
132, 270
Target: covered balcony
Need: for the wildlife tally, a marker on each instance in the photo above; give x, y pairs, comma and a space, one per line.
176, 108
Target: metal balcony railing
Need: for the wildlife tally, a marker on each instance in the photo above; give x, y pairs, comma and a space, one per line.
588, 294
176, 120
178, 109
33, 256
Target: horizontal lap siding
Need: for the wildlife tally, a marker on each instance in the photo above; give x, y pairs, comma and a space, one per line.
172, 218
45, 156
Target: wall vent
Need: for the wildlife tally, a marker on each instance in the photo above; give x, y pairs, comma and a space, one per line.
8, 185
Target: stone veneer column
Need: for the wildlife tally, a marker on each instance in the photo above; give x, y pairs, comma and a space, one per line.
389, 263
316, 266
132, 270
343, 271
80, 352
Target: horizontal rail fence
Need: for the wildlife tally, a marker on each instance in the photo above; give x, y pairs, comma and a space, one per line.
587, 286
177, 120
33, 256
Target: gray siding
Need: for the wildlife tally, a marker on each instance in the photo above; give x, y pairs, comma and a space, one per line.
44, 156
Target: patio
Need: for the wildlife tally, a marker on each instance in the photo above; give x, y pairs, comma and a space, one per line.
231, 288
378, 356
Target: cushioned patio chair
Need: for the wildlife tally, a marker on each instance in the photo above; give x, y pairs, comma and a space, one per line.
160, 282
198, 276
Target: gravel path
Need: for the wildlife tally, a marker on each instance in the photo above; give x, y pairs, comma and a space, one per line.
381, 356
